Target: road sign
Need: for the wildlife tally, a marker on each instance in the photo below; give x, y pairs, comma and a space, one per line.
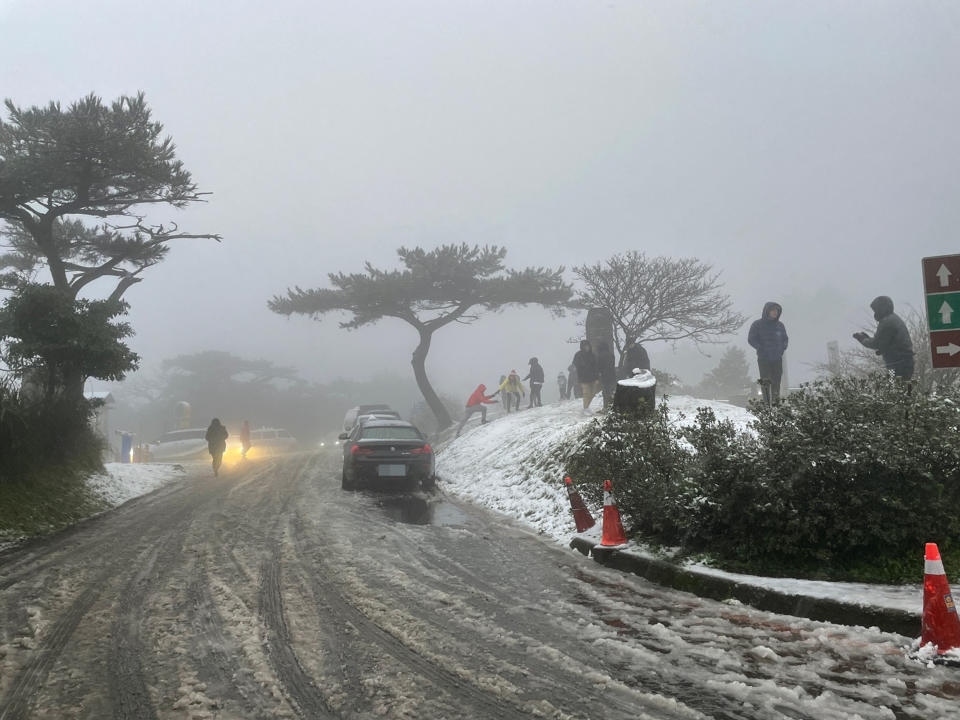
941, 284
943, 311
945, 348
941, 274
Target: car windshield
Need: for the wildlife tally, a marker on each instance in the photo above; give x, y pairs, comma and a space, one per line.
390, 433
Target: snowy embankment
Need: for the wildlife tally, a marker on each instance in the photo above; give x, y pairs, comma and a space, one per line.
124, 482
507, 465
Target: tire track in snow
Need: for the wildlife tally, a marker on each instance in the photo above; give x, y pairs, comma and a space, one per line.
460, 688
303, 693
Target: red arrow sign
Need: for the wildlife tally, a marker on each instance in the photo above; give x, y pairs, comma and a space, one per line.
941, 274
945, 348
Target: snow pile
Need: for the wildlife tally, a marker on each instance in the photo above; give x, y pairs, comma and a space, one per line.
640, 379
507, 465
123, 482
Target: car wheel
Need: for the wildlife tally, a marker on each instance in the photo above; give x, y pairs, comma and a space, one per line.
429, 482
344, 483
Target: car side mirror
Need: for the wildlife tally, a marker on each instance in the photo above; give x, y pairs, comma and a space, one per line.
342, 436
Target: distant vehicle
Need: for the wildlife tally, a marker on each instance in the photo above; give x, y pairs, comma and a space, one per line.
387, 453
266, 441
179, 446
378, 415
350, 419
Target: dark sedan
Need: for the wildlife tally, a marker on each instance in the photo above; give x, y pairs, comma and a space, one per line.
386, 453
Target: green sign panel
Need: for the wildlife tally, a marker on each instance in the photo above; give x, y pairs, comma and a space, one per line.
943, 311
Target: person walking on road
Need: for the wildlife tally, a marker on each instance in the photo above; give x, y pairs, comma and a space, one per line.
216, 443
768, 336
588, 374
891, 341
607, 366
536, 382
245, 439
562, 386
512, 389
477, 403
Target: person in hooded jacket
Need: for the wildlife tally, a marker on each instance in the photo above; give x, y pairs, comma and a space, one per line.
607, 366
536, 382
634, 356
477, 403
216, 443
768, 336
588, 374
892, 340
512, 389
562, 386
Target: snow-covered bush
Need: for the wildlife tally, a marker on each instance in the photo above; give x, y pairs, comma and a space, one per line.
847, 478
641, 456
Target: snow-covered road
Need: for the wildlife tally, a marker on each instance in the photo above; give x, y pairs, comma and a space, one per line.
269, 592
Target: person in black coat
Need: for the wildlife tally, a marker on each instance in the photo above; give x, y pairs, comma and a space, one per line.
892, 339
588, 373
768, 336
634, 356
536, 382
216, 443
607, 366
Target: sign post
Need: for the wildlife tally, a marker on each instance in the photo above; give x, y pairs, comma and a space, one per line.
941, 285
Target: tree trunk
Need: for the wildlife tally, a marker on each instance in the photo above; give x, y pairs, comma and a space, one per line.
420, 373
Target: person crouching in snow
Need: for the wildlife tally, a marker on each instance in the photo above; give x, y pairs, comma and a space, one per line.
476, 403
512, 389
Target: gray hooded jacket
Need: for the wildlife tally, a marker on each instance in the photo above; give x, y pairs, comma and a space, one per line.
892, 339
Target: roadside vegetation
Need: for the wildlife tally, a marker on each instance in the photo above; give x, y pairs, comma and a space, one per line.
46, 456
845, 480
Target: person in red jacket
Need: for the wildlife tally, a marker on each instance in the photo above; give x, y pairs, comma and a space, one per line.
477, 403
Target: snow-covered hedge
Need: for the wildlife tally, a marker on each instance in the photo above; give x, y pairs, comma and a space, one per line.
847, 478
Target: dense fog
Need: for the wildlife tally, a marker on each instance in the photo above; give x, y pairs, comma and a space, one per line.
807, 150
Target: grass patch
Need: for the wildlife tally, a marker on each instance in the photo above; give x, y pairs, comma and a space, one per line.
46, 501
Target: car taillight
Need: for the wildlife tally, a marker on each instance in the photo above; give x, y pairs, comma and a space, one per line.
425, 450
357, 450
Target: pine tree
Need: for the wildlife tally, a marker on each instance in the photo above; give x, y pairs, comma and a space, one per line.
451, 283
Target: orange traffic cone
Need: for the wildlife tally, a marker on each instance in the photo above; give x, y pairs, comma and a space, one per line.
941, 626
581, 515
612, 527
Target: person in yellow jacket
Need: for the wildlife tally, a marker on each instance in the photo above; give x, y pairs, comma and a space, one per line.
512, 388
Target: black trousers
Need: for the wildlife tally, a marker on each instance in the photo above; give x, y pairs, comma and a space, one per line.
771, 373
535, 395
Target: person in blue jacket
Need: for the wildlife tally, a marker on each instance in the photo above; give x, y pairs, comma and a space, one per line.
768, 337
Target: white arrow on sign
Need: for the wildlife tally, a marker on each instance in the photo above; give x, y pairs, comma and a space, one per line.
948, 349
944, 274
945, 312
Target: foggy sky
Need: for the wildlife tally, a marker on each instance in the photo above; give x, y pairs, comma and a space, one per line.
809, 150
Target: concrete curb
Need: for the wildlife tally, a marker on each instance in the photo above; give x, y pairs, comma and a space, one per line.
718, 588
